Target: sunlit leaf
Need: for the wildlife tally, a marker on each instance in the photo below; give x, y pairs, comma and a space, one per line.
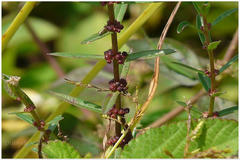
148, 54
78, 102
223, 15
228, 64
59, 149
76, 55
213, 45
24, 116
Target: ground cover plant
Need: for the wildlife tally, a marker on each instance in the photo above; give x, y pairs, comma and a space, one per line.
120, 80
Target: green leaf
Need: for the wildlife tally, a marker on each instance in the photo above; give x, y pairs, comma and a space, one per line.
213, 45
24, 116
53, 123
199, 23
197, 7
223, 15
78, 102
216, 94
216, 133
181, 103
182, 26
148, 54
76, 55
228, 64
119, 12
227, 111
205, 81
59, 149
189, 67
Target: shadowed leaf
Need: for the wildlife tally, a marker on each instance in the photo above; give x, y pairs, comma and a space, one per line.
76, 55
223, 15
227, 111
205, 81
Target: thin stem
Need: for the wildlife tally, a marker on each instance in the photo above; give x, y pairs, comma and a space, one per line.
19, 19
45, 51
115, 65
212, 68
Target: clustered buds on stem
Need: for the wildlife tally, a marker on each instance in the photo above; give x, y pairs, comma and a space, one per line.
114, 26
120, 86
29, 109
40, 125
114, 112
206, 115
208, 73
108, 2
119, 57
114, 140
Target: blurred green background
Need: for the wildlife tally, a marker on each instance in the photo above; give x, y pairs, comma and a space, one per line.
63, 25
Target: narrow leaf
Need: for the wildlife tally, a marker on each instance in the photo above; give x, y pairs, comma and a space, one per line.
53, 123
224, 15
228, 64
213, 45
78, 102
181, 103
205, 81
119, 12
23, 116
76, 55
182, 26
227, 111
148, 54
199, 23
197, 7
218, 94
189, 67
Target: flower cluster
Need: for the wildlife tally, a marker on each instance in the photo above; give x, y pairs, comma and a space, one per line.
119, 57
120, 86
114, 26
208, 73
29, 109
114, 139
40, 125
114, 112
108, 3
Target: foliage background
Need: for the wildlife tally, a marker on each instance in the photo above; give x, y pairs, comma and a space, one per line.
62, 26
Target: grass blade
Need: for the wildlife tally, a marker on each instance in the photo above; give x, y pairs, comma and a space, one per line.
227, 111
76, 55
148, 54
224, 15
78, 102
228, 64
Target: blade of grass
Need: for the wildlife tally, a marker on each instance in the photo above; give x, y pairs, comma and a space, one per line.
19, 19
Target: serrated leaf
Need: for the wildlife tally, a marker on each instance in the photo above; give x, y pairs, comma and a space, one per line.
223, 15
213, 45
23, 116
228, 64
181, 103
188, 67
205, 81
227, 111
78, 102
182, 26
148, 54
60, 149
119, 12
76, 55
199, 23
216, 133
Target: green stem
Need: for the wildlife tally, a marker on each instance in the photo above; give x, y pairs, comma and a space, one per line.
212, 68
148, 12
19, 19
